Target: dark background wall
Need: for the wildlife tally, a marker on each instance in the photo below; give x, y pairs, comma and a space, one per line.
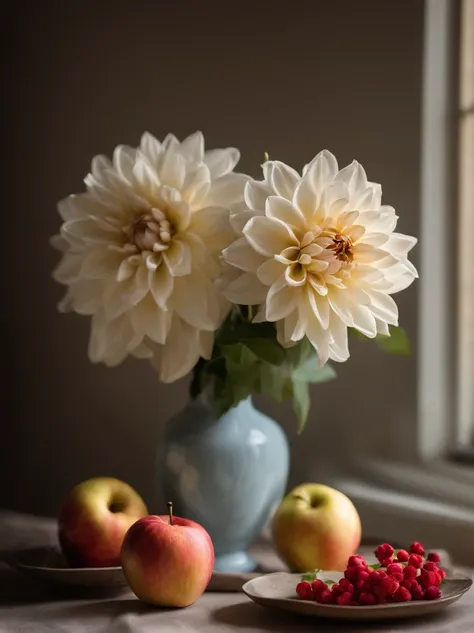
287, 78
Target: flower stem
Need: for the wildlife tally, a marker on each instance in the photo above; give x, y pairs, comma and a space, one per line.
249, 313
170, 511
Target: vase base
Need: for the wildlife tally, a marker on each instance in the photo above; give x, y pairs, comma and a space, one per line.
234, 562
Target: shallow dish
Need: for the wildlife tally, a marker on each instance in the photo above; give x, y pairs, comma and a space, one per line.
277, 591
48, 565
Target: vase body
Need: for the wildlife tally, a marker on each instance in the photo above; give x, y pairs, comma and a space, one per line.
226, 473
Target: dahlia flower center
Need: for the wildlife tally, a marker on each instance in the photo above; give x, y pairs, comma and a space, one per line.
151, 231
342, 247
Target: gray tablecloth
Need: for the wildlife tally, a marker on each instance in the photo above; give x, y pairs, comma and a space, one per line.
30, 608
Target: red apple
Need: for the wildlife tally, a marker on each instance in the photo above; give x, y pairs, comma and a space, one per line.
167, 561
94, 519
316, 527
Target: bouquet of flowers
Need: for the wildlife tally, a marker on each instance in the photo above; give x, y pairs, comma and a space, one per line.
254, 285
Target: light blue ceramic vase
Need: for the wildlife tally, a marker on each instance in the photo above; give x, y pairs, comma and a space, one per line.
226, 473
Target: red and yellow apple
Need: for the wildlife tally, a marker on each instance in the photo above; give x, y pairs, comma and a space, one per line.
94, 519
316, 527
167, 561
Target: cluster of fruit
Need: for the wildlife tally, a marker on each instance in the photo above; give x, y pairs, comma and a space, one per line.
397, 577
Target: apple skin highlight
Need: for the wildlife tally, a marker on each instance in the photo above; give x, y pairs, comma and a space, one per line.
316, 527
94, 519
165, 564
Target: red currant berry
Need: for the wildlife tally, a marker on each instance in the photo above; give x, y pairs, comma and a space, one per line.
434, 557
368, 598
442, 573
417, 591
346, 584
430, 566
344, 598
416, 560
390, 584
318, 585
303, 589
427, 578
325, 597
356, 560
402, 556
417, 548
432, 593
387, 561
394, 569
402, 595
410, 572
384, 551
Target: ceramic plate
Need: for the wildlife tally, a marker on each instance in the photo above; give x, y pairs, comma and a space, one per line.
48, 565
277, 591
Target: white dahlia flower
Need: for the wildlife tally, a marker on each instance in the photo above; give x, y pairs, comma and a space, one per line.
142, 249
319, 254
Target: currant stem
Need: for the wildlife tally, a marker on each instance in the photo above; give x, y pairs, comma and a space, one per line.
170, 511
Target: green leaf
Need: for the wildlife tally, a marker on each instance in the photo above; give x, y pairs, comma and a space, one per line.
311, 575
273, 380
266, 349
397, 343
375, 566
310, 371
329, 582
301, 402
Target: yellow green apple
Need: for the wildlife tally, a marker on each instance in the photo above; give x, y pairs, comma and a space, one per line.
316, 527
94, 519
167, 560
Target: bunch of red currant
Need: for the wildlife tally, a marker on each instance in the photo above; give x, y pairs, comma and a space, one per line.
397, 577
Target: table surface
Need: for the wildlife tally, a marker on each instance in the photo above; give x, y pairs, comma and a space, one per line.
31, 608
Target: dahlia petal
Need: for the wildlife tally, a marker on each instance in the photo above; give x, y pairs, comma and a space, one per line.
383, 307
146, 178
197, 183
124, 162
179, 354
178, 258
239, 220
101, 263
256, 194
161, 285
221, 161
192, 147
149, 320
280, 302
283, 210
354, 177
282, 178
295, 275
319, 306
270, 271
334, 195
323, 169
206, 343
375, 239
364, 320
245, 290
226, 190
243, 256
400, 244
306, 196
68, 269
194, 299
267, 236
196, 246
366, 254
212, 226
151, 148
339, 348
99, 164
173, 170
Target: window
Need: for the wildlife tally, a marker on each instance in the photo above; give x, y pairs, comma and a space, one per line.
435, 494
465, 322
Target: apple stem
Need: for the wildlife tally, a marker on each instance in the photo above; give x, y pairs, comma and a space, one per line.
170, 511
